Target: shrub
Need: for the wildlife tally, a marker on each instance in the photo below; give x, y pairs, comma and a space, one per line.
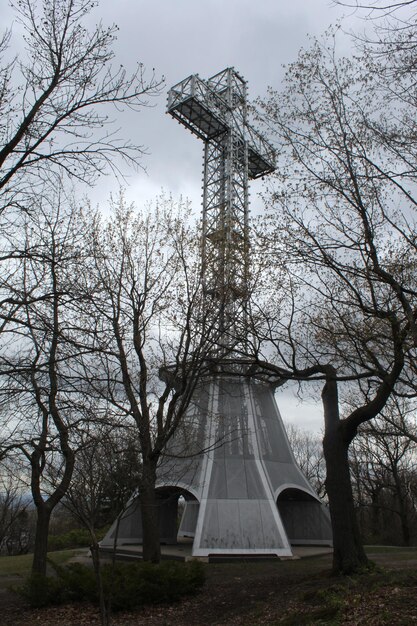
41, 590
79, 582
126, 585
134, 584
76, 538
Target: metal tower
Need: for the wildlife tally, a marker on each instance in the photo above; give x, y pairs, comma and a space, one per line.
234, 152
244, 494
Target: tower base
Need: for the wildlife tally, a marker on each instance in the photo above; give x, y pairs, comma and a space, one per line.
244, 495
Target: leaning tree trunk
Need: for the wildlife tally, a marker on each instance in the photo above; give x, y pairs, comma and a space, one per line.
150, 516
348, 555
41, 540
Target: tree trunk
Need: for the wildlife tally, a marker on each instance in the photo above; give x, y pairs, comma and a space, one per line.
348, 555
375, 516
95, 556
41, 540
403, 513
150, 517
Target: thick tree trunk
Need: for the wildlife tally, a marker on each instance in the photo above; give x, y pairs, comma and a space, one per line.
41, 540
150, 517
349, 555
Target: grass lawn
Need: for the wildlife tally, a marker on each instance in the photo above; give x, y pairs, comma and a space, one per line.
370, 550
19, 566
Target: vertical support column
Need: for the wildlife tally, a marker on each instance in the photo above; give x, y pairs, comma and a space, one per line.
225, 215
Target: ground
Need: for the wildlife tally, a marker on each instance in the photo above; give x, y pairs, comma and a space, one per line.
267, 593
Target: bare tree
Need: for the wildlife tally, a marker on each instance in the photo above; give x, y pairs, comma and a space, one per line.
14, 535
400, 414
329, 341
308, 451
385, 481
343, 232
377, 8
37, 351
147, 332
55, 99
105, 476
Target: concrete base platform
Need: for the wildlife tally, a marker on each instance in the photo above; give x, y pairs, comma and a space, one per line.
182, 552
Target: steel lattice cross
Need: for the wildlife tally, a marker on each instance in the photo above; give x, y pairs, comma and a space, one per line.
234, 152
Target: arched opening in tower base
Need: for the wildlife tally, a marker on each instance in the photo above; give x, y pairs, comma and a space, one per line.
306, 520
128, 527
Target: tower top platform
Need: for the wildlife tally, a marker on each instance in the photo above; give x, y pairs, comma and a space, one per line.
210, 108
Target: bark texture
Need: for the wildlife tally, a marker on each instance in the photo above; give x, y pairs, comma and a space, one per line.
150, 517
41, 540
348, 555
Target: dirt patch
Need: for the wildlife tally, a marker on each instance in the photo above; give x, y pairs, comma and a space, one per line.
273, 592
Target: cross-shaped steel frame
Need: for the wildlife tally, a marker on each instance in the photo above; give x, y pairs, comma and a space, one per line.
216, 111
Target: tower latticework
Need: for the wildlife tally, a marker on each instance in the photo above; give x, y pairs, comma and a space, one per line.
234, 152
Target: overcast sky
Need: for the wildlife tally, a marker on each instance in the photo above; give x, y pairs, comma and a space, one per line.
182, 37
